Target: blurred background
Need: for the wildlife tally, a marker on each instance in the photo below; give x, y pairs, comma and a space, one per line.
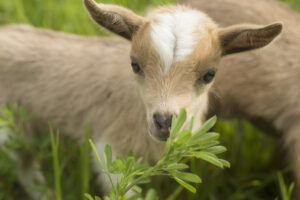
253, 172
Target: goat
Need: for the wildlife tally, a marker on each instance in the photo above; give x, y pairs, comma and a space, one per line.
261, 86
174, 54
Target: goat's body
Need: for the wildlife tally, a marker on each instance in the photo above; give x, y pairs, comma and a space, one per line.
263, 83
64, 79
261, 86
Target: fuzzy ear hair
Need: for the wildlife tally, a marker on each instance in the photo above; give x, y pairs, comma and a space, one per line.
116, 19
241, 38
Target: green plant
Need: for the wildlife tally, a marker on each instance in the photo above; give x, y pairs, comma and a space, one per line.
286, 191
181, 144
55, 155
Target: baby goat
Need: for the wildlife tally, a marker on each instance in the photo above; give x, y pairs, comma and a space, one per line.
174, 54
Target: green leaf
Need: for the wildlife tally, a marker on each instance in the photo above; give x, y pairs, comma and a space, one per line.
116, 167
143, 181
108, 155
204, 138
178, 123
185, 176
205, 127
88, 197
141, 168
225, 163
183, 136
137, 189
290, 190
209, 157
186, 185
151, 195
130, 164
191, 124
283, 189
174, 119
135, 196
177, 166
96, 154
208, 144
168, 149
216, 149
97, 198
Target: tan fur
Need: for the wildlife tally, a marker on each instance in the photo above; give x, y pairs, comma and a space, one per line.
61, 79
261, 86
166, 93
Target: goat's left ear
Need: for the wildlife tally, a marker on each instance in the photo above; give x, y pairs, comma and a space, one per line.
241, 38
116, 19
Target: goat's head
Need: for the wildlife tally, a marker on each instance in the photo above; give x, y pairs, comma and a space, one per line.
175, 54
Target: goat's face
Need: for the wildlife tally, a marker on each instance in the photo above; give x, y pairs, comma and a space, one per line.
175, 55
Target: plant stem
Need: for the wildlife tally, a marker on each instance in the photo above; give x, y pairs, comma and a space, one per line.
102, 166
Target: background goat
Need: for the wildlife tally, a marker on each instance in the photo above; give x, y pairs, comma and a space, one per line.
261, 86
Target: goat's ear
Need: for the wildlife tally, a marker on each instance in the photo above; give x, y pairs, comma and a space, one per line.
241, 38
116, 19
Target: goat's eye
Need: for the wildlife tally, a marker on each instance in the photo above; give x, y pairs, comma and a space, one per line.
136, 67
209, 76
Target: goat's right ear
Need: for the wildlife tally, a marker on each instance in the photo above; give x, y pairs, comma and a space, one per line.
241, 38
116, 19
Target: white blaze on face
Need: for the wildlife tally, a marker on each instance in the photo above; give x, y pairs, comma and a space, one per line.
174, 35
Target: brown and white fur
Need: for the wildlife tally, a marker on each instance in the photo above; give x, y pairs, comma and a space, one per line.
174, 52
262, 86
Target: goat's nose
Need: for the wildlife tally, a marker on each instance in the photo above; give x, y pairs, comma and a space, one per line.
163, 123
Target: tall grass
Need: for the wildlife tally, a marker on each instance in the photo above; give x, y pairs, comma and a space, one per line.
63, 15
56, 167
294, 4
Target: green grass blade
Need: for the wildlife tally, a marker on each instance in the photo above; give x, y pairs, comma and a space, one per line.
54, 145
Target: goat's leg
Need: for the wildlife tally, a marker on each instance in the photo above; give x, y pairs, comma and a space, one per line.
102, 178
31, 177
28, 171
293, 145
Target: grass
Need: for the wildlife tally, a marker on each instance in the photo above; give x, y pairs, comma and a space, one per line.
294, 4
63, 15
253, 172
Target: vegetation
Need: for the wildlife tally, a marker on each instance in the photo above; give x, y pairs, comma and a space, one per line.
180, 145
253, 173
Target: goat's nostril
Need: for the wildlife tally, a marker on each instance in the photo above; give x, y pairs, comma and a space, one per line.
169, 121
162, 122
156, 119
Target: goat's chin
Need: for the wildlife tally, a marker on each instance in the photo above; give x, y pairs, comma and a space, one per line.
157, 139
